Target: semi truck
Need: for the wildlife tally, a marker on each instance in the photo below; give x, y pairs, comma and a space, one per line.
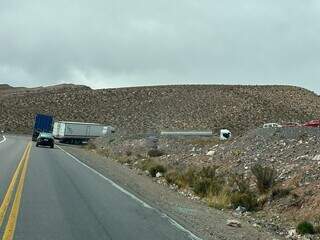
42, 123
79, 132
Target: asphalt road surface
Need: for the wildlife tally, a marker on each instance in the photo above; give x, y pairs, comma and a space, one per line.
48, 194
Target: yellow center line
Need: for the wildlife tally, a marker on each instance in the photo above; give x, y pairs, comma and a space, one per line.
10, 190
12, 221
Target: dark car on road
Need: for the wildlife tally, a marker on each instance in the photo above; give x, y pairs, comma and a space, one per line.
45, 139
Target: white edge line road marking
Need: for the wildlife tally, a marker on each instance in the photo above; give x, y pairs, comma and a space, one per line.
173, 222
4, 139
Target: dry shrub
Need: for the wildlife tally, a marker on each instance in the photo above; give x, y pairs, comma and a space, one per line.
181, 179
241, 194
157, 168
128, 153
187, 178
91, 145
220, 201
239, 181
205, 187
208, 172
207, 183
172, 176
278, 193
237, 152
105, 152
152, 166
247, 200
124, 160
317, 229
155, 153
265, 177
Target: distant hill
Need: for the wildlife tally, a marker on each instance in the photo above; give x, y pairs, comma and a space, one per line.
5, 86
141, 109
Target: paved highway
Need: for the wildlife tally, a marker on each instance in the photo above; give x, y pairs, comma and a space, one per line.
48, 194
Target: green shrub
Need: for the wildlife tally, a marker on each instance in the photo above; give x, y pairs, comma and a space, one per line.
154, 169
265, 177
155, 153
305, 228
247, 200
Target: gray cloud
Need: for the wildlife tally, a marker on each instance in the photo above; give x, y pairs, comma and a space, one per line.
105, 43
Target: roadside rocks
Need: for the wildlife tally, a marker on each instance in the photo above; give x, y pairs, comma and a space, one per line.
233, 223
316, 158
211, 153
288, 156
158, 174
240, 210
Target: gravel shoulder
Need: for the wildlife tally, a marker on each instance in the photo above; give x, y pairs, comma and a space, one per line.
207, 223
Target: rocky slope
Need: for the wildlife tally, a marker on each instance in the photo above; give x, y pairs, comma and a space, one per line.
140, 109
293, 153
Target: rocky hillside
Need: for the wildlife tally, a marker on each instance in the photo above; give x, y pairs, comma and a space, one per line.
292, 153
141, 109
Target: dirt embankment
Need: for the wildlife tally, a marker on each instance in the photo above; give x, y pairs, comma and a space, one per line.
289, 159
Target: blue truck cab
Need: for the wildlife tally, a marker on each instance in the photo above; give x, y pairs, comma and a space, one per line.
42, 123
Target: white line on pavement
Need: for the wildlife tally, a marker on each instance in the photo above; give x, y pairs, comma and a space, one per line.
171, 221
4, 139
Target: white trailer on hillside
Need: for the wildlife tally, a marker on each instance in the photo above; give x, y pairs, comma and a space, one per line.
79, 132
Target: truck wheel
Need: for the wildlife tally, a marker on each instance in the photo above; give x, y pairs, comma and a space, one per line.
37, 145
52, 146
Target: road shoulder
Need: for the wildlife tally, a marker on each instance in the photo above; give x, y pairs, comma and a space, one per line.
197, 217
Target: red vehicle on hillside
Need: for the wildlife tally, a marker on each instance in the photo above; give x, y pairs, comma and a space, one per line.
312, 123
291, 124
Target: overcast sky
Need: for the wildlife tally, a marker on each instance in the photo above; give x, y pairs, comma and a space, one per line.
104, 43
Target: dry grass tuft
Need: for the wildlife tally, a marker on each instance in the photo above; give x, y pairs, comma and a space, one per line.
265, 177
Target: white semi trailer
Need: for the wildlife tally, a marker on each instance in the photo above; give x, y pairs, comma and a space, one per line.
78, 132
